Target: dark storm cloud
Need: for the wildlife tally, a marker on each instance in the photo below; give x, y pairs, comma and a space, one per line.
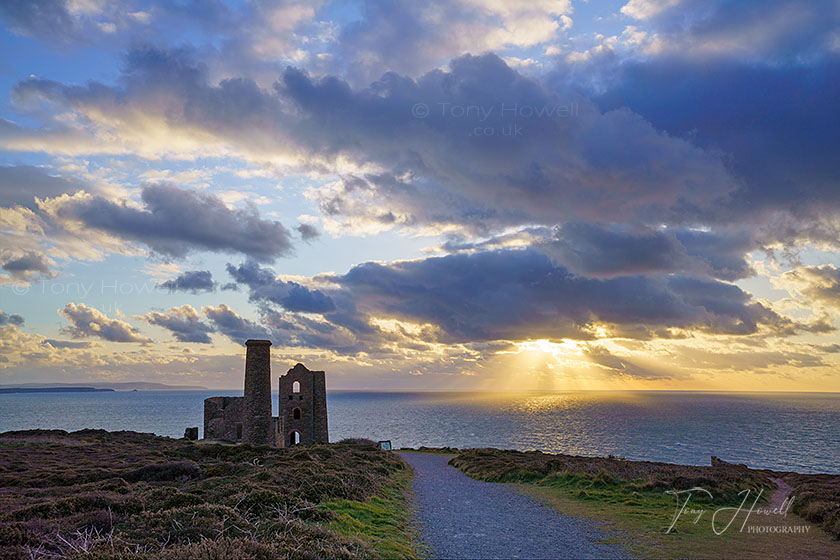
725, 156
778, 124
516, 294
194, 281
24, 266
594, 250
570, 160
183, 322
237, 328
88, 321
265, 286
111, 22
49, 18
603, 166
175, 222
723, 253
13, 319
20, 184
296, 330
781, 30
510, 294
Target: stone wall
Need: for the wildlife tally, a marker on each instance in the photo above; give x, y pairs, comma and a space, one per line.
223, 418
304, 411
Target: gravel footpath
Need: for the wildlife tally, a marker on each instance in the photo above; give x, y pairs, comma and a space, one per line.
461, 517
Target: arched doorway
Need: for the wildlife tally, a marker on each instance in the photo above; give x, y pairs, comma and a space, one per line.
294, 438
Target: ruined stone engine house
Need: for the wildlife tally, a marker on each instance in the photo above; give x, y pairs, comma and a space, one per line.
302, 405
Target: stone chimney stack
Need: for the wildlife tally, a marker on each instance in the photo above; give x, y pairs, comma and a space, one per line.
256, 413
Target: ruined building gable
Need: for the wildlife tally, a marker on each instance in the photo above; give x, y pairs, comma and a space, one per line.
303, 406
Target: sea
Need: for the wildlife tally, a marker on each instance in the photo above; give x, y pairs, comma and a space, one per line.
781, 431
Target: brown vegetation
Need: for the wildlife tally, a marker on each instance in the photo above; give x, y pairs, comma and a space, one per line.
136, 496
816, 497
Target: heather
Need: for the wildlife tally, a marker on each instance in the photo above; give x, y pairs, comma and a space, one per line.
131, 495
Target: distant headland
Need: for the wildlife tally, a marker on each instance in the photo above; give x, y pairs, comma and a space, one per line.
6, 390
102, 385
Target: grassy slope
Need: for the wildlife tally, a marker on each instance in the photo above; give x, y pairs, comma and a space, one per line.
628, 497
383, 520
138, 496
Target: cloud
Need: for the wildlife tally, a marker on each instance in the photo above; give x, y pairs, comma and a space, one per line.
785, 162
624, 366
747, 359
88, 321
67, 343
407, 37
28, 265
521, 294
568, 160
237, 328
294, 330
571, 162
108, 23
819, 284
13, 319
644, 9
308, 232
39, 17
619, 196
265, 286
184, 323
194, 281
620, 249
749, 30
175, 222
498, 295
21, 184
595, 251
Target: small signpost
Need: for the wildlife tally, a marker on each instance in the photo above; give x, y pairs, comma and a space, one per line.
385, 445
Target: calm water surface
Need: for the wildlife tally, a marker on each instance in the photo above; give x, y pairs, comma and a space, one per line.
790, 431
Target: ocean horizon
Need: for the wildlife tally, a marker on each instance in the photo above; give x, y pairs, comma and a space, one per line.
780, 431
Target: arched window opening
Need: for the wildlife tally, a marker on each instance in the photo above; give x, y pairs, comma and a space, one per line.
294, 438
296, 414
296, 387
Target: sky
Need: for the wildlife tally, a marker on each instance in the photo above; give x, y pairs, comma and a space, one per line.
446, 195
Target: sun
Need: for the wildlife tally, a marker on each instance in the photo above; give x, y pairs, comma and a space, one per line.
559, 350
